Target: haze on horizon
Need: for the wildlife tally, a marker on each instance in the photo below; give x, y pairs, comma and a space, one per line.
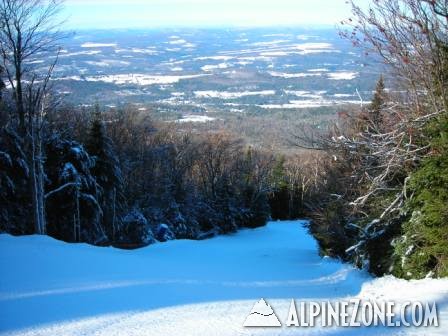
109, 14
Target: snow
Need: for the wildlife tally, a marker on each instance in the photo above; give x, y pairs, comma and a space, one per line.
343, 75
148, 51
255, 58
98, 64
315, 48
274, 53
35, 62
303, 37
79, 53
107, 63
314, 45
185, 287
297, 104
214, 58
310, 103
177, 69
293, 49
178, 41
98, 45
293, 75
269, 43
342, 95
195, 118
307, 94
136, 79
210, 67
231, 95
319, 70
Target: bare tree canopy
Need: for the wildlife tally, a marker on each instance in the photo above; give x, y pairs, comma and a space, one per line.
411, 37
27, 28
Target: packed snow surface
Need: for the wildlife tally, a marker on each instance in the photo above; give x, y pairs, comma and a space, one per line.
183, 287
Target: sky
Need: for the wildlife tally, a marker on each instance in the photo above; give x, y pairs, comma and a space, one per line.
107, 14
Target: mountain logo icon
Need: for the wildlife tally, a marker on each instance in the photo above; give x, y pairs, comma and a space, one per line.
262, 315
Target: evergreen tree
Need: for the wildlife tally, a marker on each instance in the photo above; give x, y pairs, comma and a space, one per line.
15, 200
423, 248
375, 113
108, 174
279, 199
73, 211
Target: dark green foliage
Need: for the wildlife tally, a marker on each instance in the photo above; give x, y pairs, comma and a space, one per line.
15, 200
423, 249
73, 212
279, 203
279, 198
100, 147
252, 190
107, 172
96, 178
135, 231
328, 227
375, 112
286, 199
278, 176
379, 248
257, 205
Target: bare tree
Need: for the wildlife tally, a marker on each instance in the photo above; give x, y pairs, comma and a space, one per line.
410, 36
28, 29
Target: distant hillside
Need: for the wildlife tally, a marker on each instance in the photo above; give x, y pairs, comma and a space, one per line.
296, 74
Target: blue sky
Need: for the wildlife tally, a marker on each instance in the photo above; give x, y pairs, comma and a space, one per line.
106, 14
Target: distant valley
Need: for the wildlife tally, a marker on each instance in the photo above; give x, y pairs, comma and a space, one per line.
225, 76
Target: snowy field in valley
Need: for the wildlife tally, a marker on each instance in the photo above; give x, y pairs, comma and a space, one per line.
250, 67
182, 287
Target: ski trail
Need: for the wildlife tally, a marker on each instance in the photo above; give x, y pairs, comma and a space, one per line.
183, 287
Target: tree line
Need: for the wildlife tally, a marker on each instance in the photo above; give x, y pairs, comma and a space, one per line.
384, 206
118, 178
110, 177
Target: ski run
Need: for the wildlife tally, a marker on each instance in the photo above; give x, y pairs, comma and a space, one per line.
184, 287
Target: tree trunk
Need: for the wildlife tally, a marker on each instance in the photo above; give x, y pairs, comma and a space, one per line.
37, 174
41, 185
114, 199
19, 89
77, 215
19, 103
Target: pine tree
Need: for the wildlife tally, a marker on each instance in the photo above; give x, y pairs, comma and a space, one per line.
107, 172
375, 113
280, 198
73, 210
423, 248
15, 200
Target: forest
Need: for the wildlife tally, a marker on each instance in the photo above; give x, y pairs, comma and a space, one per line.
385, 208
374, 184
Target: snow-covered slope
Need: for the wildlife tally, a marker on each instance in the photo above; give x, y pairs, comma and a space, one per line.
182, 287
